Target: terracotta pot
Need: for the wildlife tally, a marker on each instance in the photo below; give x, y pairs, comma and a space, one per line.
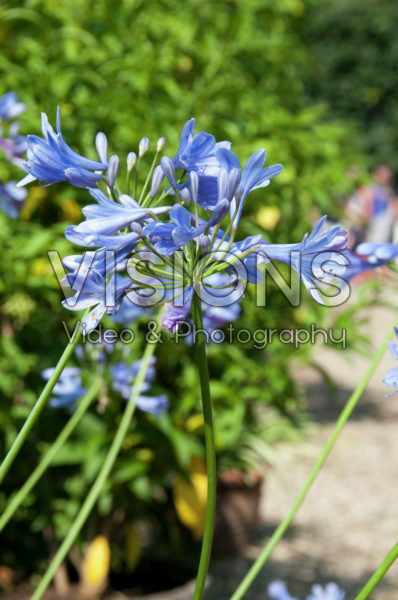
237, 513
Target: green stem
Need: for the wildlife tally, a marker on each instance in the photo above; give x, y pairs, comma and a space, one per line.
102, 476
279, 532
210, 449
38, 407
379, 574
15, 502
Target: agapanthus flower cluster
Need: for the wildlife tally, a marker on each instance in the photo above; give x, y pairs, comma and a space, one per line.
391, 377
173, 233
116, 373
277, 590
13, 146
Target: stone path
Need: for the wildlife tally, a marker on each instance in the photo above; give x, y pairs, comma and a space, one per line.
349, 520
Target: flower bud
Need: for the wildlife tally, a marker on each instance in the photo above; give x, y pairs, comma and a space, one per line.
204, 243
101, 143
194, 185
222, 183
185, 197
131, 160
136, 227
113, 168
168, 170
143, 146
220, 211
157, 180
233, 183
161, 144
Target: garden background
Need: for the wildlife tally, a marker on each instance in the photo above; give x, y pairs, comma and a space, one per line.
315, 84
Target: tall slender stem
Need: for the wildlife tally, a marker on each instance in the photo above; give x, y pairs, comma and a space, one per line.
210, 448
49, 455
279, 532
40, 403
379, 574
102, 476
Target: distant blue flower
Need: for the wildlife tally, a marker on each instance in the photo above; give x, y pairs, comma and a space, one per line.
391, 377
11, 199
378, 252
129, 312
10, 107
68, 388
331, 591
14, 145
51, 160
277, 590
358, 265
123, 376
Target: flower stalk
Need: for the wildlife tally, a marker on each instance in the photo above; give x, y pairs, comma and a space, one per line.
379, 574
40, 404
50, 454
102, 476
210, 448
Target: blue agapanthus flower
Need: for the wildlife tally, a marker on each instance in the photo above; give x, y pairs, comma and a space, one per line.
68, 388
50, 159
93, 291
177, 231
11, 199
10, 107
313, 255
107, 218
129, 312
277, 590
378, 252
391, 377
197, 152
358, 265
123, 376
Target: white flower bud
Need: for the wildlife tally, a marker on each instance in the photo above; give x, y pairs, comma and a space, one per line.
101, 143
113, 168
131, 160
143, 147
168, 170
161, 144
185, 197
157, 180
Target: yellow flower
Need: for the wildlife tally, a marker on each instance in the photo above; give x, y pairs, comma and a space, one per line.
190, 497
96, 562
268, 216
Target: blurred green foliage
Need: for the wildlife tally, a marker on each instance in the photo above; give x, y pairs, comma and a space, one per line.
354, 51
143, 67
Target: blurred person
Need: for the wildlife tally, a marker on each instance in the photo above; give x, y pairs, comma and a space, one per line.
371, 209
379, 204
395, 220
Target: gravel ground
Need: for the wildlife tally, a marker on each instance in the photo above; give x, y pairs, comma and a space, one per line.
349, 519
